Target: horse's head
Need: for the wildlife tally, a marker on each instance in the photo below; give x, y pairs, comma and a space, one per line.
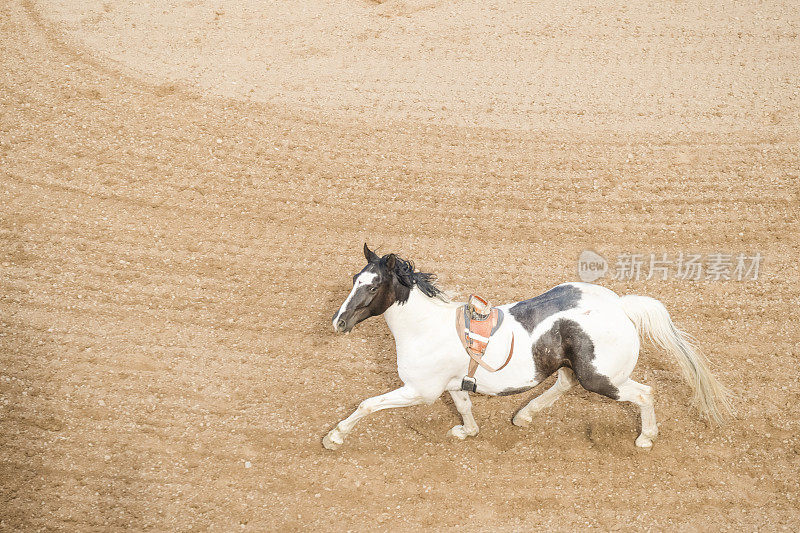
375, 289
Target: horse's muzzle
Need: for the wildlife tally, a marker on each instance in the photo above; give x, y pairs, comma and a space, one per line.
339, 323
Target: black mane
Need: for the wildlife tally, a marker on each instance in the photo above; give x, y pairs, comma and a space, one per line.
404, 270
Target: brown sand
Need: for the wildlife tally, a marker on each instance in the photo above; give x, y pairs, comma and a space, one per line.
185, 189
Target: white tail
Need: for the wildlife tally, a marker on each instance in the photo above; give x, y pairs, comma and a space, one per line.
652, 319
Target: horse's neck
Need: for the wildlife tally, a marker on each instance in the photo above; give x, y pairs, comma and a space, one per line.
420, 316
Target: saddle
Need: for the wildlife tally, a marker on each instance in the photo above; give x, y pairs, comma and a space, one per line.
476, 322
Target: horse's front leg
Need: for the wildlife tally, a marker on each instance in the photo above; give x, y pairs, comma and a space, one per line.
464, 406
402, 397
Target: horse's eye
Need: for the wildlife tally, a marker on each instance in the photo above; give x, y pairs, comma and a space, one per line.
373, 288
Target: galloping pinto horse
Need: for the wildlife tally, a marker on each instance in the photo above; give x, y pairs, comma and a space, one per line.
586, 333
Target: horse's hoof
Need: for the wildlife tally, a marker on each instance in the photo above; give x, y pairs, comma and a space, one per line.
521, 420
643, 442
332, 441
460, 433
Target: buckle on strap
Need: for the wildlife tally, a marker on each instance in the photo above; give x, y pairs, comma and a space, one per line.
469, 384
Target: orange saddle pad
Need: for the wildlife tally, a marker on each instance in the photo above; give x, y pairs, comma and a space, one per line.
476, 322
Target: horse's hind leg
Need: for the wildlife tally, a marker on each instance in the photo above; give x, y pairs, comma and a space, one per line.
629, 391
464, 406
641, 395
566, 380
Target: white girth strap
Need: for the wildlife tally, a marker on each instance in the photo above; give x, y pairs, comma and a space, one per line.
473, 335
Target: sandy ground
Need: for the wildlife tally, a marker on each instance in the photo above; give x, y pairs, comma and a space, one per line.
185, 188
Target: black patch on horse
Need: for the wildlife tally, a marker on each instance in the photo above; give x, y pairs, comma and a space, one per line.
406, 278
566, 344
530, 313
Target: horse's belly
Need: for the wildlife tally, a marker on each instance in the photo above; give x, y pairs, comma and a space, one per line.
518, 376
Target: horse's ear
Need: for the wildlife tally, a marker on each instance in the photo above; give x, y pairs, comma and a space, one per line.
390, 262
369, 254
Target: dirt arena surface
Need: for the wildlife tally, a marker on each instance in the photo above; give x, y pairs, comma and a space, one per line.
185, 188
